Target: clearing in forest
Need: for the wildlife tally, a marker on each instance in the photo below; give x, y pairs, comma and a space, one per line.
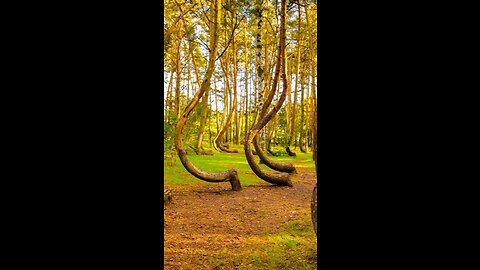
209, 226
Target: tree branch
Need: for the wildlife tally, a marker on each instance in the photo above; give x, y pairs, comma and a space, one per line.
230, 38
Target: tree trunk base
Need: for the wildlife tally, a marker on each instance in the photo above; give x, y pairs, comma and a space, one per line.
235, 183
167, 196
231, 150
223, 147
289, 152
205, 152
194, 149
275, 154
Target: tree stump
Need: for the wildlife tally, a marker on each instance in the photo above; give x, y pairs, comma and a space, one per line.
167, 196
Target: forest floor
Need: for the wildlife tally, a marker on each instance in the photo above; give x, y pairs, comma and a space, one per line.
209, 226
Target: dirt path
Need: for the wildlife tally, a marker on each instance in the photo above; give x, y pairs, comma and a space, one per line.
207, 220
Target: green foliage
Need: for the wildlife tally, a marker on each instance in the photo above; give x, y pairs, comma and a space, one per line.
282, 136
169, 132
169, 153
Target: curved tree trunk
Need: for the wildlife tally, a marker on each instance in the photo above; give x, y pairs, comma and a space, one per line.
278, 166
231, 174
274, 178
264, 159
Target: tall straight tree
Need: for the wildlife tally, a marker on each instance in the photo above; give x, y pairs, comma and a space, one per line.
204, 107
293, 136
178, 70
302, 110
235, 74
246, 80
313, 66
219, 141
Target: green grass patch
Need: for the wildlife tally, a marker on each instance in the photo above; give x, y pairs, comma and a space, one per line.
178, 175
291, 247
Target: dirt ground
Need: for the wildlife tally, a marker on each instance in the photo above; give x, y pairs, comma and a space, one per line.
204, 221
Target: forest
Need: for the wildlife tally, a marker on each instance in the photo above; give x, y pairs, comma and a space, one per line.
240, 134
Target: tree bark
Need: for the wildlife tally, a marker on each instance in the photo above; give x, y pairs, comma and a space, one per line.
246, 83
313, 88
235, 71
188, 77
216, 111
302, 114
230, 175
293, 135
177, 82
169, 97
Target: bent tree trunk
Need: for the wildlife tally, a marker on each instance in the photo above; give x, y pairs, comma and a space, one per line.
280, 64
230, 175
274, 178
278, 166
264, 159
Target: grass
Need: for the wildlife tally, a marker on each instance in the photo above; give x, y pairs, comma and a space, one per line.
292, 247
177, 175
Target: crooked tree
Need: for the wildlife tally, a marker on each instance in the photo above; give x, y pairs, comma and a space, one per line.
265, 104
229, 175
274, 178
